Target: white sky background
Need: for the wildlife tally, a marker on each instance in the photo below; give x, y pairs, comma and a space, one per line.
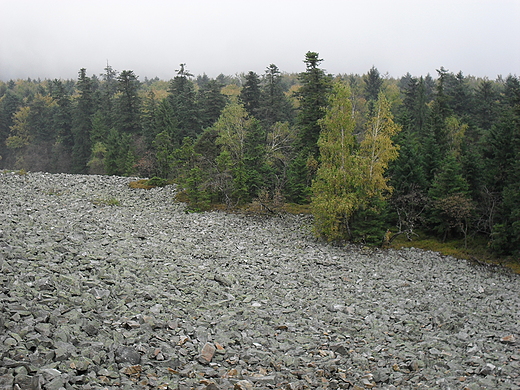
55, 38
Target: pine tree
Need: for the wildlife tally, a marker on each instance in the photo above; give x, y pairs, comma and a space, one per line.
63, 115
9, 104
451, 204
255, 164
107, 90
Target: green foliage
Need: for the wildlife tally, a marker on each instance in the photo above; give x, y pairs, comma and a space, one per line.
157, 181
96, 164
312, 97
182, 99
82, 123
369, 222
350, 188
199, 198
459, 148
274, 106
337, 187
119, 157
250, 94
163, 147
128, 103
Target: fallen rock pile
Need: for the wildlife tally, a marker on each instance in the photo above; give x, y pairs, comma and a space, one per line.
107, 287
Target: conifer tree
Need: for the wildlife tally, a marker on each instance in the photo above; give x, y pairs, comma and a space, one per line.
128, 103
63, 115
182, 98
211, 102
250, 94
373, 85
82, 123
274, 105
312, 97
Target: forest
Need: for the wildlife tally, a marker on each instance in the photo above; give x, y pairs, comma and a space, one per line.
373, 156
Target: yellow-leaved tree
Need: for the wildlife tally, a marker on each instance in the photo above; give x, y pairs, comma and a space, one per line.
336, 188
350, 177
377, 150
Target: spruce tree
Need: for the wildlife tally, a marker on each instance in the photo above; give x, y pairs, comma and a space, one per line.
211, 102
313, 98
82, 123
250, 94
128, 103
182, 98
274, 105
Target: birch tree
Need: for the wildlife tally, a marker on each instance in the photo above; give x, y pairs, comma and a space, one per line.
336, 189
377, 150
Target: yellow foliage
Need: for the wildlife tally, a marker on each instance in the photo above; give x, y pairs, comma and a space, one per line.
336, 187
348, 179
20, 135
231, 90
377, 148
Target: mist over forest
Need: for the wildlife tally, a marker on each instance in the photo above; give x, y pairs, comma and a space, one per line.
369, 153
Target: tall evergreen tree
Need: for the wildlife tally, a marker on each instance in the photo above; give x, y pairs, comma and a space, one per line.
373, 84
128, 103
82, 123
486, 106
107, 90
182, 97
211, 102
451, 204
63, 115
250, 94
274, 105
255, 164
9, 104
313, 98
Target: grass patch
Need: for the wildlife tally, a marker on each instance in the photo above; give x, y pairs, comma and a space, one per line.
477, 249
140, 184
20, 172
293, 208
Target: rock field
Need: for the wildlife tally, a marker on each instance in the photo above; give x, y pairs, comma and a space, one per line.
107, 287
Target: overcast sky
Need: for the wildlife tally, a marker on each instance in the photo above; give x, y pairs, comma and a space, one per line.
55, 38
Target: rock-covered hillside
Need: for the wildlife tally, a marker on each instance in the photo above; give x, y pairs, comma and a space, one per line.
107, 287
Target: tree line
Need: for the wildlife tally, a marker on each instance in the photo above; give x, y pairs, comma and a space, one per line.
367, 152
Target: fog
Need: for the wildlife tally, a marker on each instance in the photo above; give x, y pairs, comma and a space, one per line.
55, 38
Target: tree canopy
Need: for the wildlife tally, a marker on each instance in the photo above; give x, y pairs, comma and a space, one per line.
368, 152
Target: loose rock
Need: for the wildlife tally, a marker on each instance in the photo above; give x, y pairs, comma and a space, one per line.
139, 294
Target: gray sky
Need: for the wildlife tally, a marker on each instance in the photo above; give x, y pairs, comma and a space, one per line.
55, 38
